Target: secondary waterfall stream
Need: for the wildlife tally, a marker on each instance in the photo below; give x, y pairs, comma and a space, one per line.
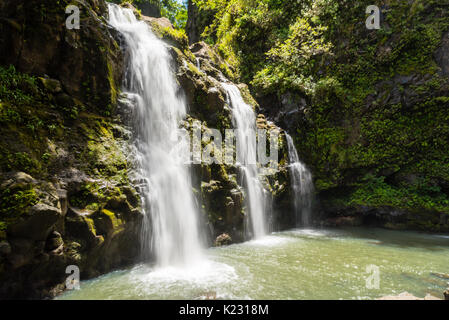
171, 228
244, 121
302, 185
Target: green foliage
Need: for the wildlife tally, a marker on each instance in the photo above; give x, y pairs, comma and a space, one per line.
291, 62
176, 12
14, 203
16, 88
20, 161
376, 105
88, 193
374, 191
245, 30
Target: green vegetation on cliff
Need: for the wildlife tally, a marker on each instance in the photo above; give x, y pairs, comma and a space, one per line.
65, 196
371, 106
174, 10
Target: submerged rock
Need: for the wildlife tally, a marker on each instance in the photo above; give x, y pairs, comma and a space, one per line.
223, 240
408, 296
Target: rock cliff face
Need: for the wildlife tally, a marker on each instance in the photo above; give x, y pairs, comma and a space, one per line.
197, 21
367, 108
65, 196
66, 192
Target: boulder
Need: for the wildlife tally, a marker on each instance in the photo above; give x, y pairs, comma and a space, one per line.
51, 85
37, 224
54, 241
107, 222
160, 22
5, 248
17, 180
223, 240
82, 227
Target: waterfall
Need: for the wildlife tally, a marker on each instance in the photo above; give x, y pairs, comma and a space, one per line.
302, 185
171, 227
244, 121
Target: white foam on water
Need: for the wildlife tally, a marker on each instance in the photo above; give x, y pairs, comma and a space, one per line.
269, 241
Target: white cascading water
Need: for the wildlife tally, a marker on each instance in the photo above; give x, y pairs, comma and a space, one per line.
171, 229
244, 121
302, 185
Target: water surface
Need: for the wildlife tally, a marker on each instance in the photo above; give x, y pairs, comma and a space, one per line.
296, 264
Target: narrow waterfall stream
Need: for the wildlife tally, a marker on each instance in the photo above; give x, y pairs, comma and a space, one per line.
302, 185
171, 228
244, 121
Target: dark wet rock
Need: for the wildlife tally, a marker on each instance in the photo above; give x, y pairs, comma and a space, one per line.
54, 241
197, 21
442, 55
17, 180
343, 222
83, 61
51, 85
65, 100
223, 240
5, 248
107, 222
192, 27
332, 214
149, 8
22, 252
80, 226
37, 224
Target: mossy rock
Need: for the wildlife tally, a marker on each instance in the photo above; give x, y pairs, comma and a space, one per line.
107, 222
51, 85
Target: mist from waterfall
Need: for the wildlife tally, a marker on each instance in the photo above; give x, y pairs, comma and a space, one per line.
244, 121
171, 224
302, 185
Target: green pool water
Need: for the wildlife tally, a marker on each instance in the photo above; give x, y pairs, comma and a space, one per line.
296, 264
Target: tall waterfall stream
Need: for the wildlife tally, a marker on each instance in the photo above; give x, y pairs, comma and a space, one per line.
171, 228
